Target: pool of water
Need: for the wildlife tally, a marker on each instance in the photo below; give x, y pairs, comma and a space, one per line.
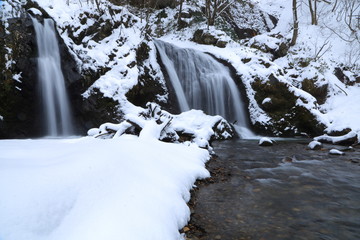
258, 194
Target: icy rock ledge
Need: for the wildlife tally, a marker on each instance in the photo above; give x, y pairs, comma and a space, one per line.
191, 127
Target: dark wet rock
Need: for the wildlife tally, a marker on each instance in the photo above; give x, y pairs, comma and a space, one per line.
18, 101
288, 118
288, 159
201, 36
97, 109
319, 92
159, 4
281, 49
355, 160
339, 73
244, 33
149, 85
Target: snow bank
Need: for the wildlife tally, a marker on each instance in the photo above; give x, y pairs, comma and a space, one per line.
123, 188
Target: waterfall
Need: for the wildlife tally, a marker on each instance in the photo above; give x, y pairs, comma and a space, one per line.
201, 82
54, 99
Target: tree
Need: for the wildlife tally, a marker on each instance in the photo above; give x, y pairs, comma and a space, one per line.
296, 23
180, 10
313, 11
313, 6
213, 8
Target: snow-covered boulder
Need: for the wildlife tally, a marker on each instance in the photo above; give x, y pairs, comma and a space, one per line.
336, 152
265, 141
347, 139
315, 145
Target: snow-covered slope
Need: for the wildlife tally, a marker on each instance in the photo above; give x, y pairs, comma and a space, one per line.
124, 188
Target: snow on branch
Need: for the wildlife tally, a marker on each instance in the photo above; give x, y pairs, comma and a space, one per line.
189, 127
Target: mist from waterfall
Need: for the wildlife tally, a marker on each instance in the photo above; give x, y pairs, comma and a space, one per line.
201, 82
54, 99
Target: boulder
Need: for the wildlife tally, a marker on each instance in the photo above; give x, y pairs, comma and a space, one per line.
336, 152
265, 142
202, 36
347, 139
315, 145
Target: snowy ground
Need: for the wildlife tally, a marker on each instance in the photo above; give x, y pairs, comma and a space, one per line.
87, 188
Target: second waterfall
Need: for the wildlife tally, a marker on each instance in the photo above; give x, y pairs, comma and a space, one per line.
201, 82
54, 99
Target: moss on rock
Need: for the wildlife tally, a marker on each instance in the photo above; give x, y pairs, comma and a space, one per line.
288, 118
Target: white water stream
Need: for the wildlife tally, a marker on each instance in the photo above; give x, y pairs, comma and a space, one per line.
201, 82
54, 99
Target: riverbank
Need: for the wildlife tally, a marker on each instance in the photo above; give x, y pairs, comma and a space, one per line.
256, 193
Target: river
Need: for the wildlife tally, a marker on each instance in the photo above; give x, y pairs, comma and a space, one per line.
255, 193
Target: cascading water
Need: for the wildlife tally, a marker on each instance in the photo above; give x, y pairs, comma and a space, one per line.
201, 82
55, 103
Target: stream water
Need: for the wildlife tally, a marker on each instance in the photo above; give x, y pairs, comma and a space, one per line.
254, 194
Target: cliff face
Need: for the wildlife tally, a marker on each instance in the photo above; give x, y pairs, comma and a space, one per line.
18, 78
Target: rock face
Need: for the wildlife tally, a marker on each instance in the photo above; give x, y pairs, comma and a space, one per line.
148, 86
287, 117
17, 79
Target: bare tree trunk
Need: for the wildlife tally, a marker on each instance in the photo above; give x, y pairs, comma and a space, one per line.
315, 13
312, 13
215, 10
296, 23
335, 5
208, 11
180, 10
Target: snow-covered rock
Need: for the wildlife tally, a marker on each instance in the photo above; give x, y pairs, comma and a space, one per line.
315, 145
347, 139
336, 152
265, 141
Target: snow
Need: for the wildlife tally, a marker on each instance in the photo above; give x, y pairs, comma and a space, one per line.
266, 100
265, 141
344, 110
336, 152
314, 144
35, 11
155, 123
87, 188
336, 139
